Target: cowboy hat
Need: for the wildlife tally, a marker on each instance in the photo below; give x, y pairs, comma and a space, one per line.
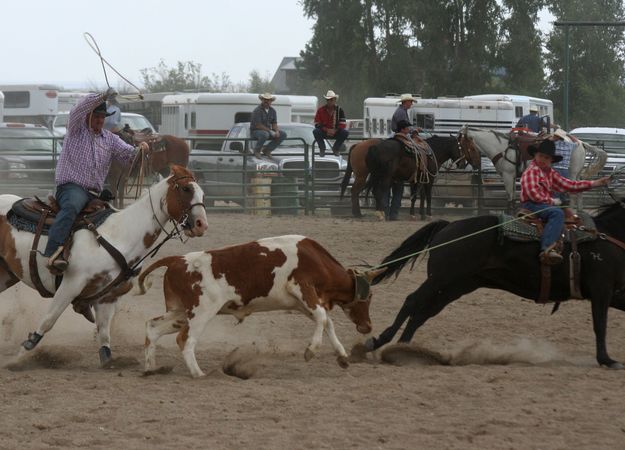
533, 108
267, 96
330, 94
406, 97
546, 147
101, 109
562, 134
403, 124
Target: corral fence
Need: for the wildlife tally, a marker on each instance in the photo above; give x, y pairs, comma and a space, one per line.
292, 182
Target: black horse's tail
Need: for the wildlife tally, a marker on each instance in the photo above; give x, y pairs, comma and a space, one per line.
348, 172
377, 169
405, 253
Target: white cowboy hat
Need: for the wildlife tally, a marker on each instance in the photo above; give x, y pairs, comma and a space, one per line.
330, 94
562, 134
533, 108
406, 97
267, 96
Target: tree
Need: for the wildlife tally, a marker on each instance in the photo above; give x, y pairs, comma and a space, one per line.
258, 83
185, 76
596, 87
520, 53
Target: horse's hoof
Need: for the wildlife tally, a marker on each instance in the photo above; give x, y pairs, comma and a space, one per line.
343, 362
105, 356
308, 355
615, 365
32, 341
370, 345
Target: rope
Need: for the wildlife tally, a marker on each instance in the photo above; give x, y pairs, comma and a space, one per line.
94, 46
465, 237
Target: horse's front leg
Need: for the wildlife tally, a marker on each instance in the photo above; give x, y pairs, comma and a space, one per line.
104, 313
600, 305
414, 190
62, 298
427, 193
359, 183
508, 181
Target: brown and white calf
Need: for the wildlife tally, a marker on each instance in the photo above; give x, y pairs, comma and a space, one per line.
278, 273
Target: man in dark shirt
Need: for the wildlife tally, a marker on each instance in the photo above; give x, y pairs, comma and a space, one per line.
264, 126
532, 121
330, 123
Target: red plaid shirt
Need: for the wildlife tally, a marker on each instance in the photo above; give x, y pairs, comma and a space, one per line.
537, 184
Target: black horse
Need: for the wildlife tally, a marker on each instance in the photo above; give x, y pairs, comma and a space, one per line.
485, 260
376, 164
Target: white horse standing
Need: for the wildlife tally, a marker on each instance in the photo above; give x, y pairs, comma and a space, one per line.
496, 146
132, 231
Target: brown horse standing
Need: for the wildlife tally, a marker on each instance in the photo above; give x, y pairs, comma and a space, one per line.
165, 150
444, 148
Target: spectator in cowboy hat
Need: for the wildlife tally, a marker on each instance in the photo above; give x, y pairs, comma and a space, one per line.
538, 183
532, 121
264, 126
401, 113
330, 123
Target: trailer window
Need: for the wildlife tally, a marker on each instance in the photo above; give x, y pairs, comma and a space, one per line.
186, 121
375, 126
518, 111
193, 120
17, 99
425, 121
367, 125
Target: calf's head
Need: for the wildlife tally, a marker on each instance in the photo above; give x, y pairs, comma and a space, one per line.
358, 309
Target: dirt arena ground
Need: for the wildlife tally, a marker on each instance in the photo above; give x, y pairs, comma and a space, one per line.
491, 371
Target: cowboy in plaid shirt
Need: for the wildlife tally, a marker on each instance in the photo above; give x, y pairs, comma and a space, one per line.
537, 184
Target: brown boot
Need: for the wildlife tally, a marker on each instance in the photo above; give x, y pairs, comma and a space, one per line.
551, 257
57, 262
257, 154
265, 151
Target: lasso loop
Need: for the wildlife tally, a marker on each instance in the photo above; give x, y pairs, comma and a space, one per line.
94, 46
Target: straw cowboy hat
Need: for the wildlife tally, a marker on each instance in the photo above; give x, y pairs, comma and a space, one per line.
562, 134
533, 108
330, 94
406, 97
267, 96
546, 147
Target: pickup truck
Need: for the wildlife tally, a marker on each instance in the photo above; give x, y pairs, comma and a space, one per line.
226, 174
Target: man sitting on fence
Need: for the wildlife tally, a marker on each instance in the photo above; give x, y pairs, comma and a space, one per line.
330, 123
264, 126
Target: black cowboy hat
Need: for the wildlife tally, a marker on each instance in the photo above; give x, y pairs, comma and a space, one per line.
403, 124
546, 147
101, 109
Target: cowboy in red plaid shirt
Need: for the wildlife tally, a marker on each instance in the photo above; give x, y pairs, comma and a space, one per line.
537, 184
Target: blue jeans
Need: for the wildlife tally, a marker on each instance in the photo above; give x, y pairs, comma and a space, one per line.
261, 136
555, 222
72, 199
340, 137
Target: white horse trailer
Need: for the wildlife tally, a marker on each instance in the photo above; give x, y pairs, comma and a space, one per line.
521, 103
200, 116
67, 100
30, 103
303, 108
441, 116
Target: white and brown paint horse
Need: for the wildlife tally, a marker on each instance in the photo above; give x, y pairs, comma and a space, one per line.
496, 146
132, 232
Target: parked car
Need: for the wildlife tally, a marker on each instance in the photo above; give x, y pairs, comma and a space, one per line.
612, 140
28, 155
134, 121
226, 174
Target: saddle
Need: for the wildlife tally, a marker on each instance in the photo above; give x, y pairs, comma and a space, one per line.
35, 216
521, 140
577, 229
422, 151
135, 137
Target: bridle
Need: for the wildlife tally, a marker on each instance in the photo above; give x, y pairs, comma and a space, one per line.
183, 221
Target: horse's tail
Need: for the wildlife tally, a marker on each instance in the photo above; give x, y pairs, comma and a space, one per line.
144, 283
377, 169
406, 251
348, 171
599, 157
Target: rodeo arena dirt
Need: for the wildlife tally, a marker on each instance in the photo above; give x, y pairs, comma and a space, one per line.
490, 371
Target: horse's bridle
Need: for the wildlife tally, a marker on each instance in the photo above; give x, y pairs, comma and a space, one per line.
183, 221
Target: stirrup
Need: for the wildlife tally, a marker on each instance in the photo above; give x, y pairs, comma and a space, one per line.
56, 263
550, 257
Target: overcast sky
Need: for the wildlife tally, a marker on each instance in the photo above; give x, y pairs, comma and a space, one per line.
41, 41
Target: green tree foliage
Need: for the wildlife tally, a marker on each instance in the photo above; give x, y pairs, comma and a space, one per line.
596, 91
185, 76
520, 52
259, 84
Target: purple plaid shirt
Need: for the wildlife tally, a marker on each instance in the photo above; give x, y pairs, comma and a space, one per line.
86, 157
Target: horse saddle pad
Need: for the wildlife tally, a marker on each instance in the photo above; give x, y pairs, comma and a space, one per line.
525, 231
26, 213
